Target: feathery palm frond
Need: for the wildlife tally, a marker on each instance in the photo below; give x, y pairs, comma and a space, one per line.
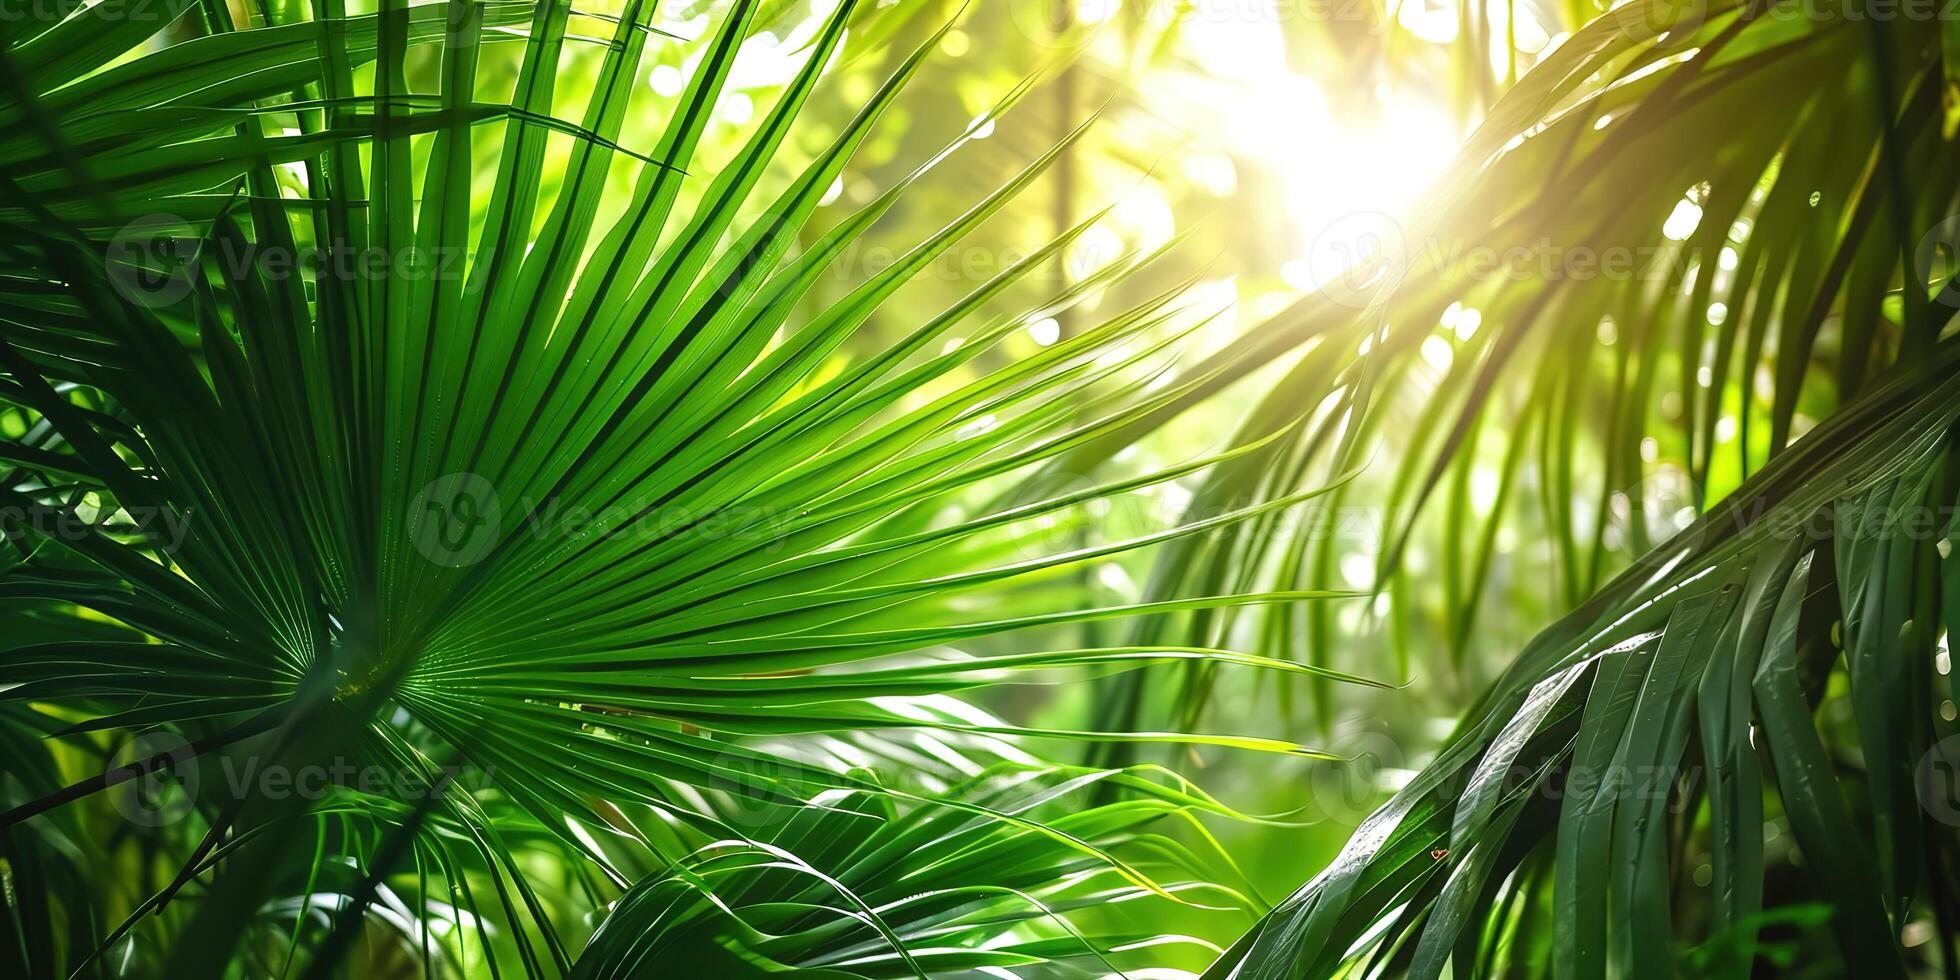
1656, 263
1775, 344
854, 887
1639, 736
1589, 276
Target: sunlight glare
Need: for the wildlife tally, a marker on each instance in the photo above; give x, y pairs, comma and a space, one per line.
1431, 20
1370, 157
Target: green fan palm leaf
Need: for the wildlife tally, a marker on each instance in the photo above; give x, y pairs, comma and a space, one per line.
541, 495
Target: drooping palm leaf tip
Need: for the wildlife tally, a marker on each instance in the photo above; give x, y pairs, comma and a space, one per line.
1729, 759
486, 540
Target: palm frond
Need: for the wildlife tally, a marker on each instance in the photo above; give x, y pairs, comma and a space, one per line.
1776, 345
855, 887
1655, 265
546, 514
1640, 733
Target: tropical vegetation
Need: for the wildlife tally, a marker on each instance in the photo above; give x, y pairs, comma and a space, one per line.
493, 488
